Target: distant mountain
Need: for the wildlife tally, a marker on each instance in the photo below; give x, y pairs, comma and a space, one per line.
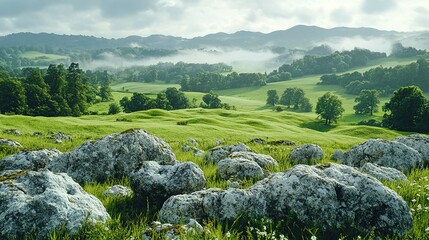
299, 36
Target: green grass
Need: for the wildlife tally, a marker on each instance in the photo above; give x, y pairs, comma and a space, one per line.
252, 120
33, 55
142, 87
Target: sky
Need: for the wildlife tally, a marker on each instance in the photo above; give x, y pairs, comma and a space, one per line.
191, 18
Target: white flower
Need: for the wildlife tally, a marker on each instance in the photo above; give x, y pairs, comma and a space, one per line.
418, 195
228, 234
414, 200
282, 237
313, 238
419, 207
427, 229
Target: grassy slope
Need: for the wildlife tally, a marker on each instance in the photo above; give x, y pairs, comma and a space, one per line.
251, 120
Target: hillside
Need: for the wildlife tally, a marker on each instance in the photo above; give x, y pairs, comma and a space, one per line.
296, 37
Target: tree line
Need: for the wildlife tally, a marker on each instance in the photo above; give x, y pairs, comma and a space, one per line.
336, 62
170, 99
167, 72
383, 79
56, 91
205, 82
294, 97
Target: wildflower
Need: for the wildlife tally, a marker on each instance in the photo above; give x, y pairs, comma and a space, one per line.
265, 228
251, 228
419, 207
106, 229
427, 229
414, 200
418, 195
228, 234
359, 237
313, 238
282, 237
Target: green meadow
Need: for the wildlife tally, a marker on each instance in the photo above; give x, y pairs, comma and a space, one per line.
34, 55
251, 119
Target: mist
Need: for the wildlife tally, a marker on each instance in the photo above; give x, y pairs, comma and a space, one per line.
372, 44
240, 60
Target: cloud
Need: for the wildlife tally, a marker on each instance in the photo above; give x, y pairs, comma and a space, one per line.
378, 6
190, 18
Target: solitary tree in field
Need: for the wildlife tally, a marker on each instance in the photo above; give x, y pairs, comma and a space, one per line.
272, 97
329, 107
367, 102
212, 100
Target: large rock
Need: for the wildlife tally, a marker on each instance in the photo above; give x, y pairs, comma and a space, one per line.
238, 168
383, 173
337, 155
218, 153
10, 143
264, 161
12, 131
162, 181
417, 142
39, 202
306, 154
383, 153
113, 156
30, 160
330, 197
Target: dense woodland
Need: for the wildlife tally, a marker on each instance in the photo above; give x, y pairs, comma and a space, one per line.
56, 91
383, 79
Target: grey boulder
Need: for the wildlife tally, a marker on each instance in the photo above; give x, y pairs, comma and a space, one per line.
306, 154
337, 155
264, 161
218, 153
29, 160
40, 202
238, 168
383, 173
383, 153
9, 142
162, 181
418, 142
329, 197
113, 156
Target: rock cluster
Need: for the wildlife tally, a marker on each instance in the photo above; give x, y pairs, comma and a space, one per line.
12, 131
383, 153
328, 196
113, 156
218, 153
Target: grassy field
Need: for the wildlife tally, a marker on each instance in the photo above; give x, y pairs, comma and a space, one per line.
252, 119
33, 55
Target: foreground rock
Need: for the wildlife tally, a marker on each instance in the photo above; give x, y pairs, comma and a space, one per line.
118, 191
10, 143
264, 161
113, 156
418, 142
337, 155
218, 153
170, 231
306, 154
162, 181
329, 197
29, 160
383, 173
239, 168
61, 137
12, 131
383, 153
39, 202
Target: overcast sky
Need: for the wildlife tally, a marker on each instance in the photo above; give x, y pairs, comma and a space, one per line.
190, 18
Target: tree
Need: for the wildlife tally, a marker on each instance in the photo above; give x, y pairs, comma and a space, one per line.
12, 96
212, 100
105, 90
75, 90
272, 97
138, 102
405, 109
162, 101
297, 97
329, 107
114, 108
367, 102
287, 97
176, 98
